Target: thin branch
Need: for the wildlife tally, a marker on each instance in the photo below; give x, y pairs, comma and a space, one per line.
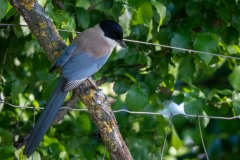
150, 44
130, 112
165, 139
200, 131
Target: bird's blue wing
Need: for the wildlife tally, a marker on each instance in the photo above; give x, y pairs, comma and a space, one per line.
63, 57
80, 67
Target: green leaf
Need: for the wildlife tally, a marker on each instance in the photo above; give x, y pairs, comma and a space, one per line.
180, 41
10, 12
6, 152
35, 156
19, 154
136, 98
83, 17
224, 14
120, 87
60, 18
84, 119
125, 19
236, 103
233, 49
136, 3
5, 137
234, 78
162, 11
17, 88
205, 120
118, 9
186, 69
3, 8
153, 81
131, 58
215, 92
193, 8
144, 14
194, 106
6, 148
204, 42
175, 139
42, 2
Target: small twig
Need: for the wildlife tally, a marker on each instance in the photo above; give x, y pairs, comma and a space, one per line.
127, 111
200, 131
165, 139
150, 44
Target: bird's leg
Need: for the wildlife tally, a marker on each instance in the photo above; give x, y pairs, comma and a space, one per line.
94, 85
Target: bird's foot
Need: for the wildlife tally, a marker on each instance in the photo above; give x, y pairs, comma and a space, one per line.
94, 85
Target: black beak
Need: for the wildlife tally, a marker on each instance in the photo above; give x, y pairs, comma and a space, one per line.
122, 43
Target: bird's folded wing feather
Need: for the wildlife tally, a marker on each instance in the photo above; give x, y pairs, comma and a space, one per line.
63, 57
80, 67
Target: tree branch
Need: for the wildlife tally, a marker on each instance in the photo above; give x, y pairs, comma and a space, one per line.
98, 104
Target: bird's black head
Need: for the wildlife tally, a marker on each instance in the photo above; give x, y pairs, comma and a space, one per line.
113, 30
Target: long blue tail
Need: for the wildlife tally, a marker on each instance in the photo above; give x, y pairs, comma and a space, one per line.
45, 120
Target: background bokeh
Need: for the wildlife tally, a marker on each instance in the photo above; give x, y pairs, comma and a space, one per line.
141, 78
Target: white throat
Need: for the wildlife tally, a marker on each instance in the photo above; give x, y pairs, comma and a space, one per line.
110, 41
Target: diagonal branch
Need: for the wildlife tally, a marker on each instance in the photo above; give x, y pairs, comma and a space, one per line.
98, 104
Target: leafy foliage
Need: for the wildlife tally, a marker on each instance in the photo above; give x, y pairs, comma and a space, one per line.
143, 77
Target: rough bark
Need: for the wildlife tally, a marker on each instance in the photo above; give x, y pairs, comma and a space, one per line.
98, 104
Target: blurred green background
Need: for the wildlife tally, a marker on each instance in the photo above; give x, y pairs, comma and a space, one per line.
141, 78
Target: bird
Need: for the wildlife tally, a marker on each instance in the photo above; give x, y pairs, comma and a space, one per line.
86, 54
